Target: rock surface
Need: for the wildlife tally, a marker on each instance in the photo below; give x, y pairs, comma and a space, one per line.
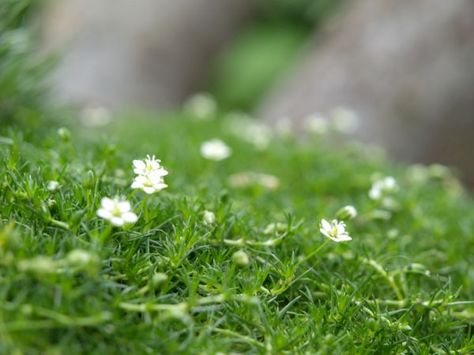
152, 53
405, 66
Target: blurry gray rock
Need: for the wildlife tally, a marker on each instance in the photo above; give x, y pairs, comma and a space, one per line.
406, 67
150, 53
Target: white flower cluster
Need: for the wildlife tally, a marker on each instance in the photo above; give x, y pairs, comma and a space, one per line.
339, 119
150, 175
383, 187
250, 178
149, 178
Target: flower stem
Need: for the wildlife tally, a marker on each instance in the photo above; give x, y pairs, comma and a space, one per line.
145, 209
105, 234
313, 253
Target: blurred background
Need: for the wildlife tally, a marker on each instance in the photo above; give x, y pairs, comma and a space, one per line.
398, 74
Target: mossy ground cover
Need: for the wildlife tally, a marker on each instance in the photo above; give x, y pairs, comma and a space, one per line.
71, 282
229, 258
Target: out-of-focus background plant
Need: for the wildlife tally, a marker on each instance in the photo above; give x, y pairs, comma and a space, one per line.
404, 69
22, 68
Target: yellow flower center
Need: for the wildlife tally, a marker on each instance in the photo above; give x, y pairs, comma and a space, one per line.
116, 212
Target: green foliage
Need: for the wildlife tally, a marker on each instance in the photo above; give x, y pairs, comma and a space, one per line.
21, 70
265, 50
247, 69
308, 13
172, 283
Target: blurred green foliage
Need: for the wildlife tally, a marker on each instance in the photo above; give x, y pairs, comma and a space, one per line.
245, 71
21, 69
307, 13
266, 48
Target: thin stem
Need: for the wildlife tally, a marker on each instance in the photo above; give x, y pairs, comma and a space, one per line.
313, 253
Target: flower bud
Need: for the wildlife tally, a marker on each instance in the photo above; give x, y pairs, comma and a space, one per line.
89, 179
240, 258
52, 185
346, 213
158, 279
209, 217
64, 134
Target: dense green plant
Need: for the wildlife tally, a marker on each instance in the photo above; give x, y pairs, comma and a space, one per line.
229, 257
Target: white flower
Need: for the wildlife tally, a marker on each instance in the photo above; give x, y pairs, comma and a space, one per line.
150, 175
336, 230
382, 187
118, 212
95, 116
81, 257
316, 124
202, 106
347, 212
275, 228
52, 185
149, 183
344, 120
249, 178
250, 130
209, 217
150, 165
215, 149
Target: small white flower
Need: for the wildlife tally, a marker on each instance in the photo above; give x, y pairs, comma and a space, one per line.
95, 116
150, 165
250, 130
52, 185
202, 106
382, 187
249, 178
78, 256
347, 212
344, 120
215, 149
316, 124
150, 175
336, 230
209, 217
277, 227
118, 212
149, 183
268, 181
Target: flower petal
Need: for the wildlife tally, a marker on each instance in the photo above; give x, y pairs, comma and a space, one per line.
103, 213
139, 164
342, 238
117, 221
129, 217
124, 206
107, 203
149, 190
325, 224
136, 185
